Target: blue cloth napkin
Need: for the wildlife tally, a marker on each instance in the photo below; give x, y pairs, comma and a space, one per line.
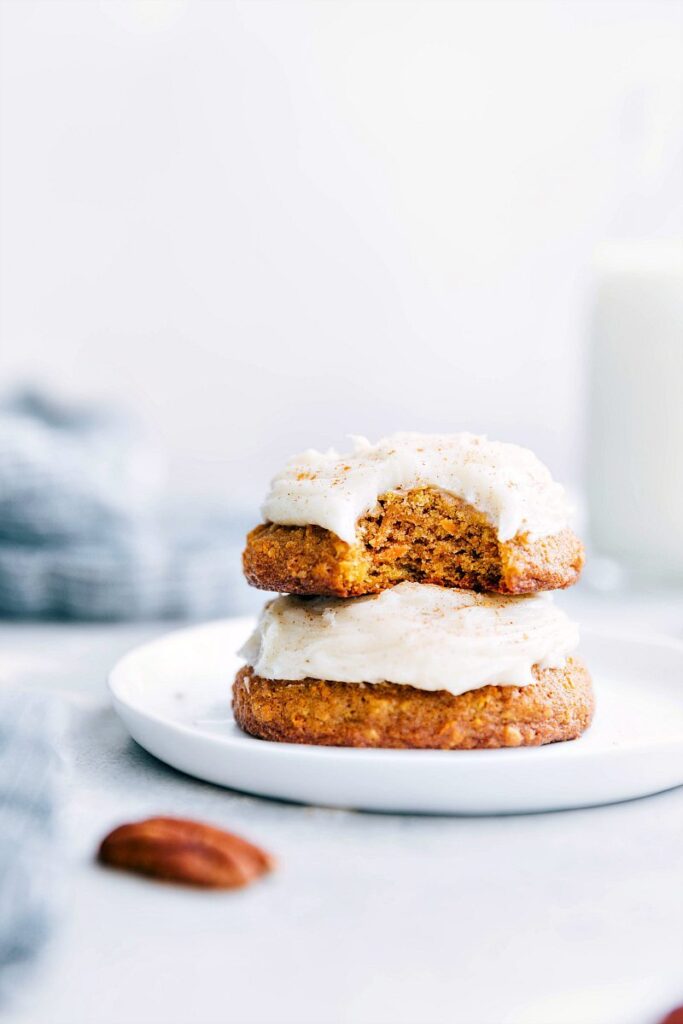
31, 726
87, 530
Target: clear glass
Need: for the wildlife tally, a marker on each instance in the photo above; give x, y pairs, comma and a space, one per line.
635, 412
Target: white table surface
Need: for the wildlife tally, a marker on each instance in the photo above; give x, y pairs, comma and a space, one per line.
566, 918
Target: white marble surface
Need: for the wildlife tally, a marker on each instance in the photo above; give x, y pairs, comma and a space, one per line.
567, 918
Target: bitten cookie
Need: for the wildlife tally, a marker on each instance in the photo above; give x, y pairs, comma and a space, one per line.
457, 511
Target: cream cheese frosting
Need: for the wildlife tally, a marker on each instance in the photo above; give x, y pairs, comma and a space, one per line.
505, 482
420, 635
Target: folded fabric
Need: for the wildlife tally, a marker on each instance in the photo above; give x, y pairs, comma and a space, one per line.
71, 471
31, 726
87, 530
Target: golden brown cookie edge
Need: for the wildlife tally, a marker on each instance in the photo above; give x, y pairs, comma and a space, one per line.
558, 707
312, 560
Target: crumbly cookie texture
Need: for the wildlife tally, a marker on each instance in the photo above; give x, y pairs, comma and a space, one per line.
424, 536
558, 706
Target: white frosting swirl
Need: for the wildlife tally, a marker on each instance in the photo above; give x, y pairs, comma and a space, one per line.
505, 482
417, 634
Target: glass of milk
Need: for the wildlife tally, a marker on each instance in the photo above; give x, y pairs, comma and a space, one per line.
635, 411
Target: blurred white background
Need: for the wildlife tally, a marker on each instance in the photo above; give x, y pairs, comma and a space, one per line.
264, 225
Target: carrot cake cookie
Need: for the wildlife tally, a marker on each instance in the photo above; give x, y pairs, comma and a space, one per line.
414, 666
455, 510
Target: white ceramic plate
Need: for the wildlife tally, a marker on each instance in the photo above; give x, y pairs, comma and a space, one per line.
174, 696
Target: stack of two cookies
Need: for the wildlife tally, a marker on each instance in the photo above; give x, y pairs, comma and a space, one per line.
413, 616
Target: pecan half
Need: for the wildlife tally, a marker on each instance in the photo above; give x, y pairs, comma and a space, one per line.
675, 1017
190, 852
